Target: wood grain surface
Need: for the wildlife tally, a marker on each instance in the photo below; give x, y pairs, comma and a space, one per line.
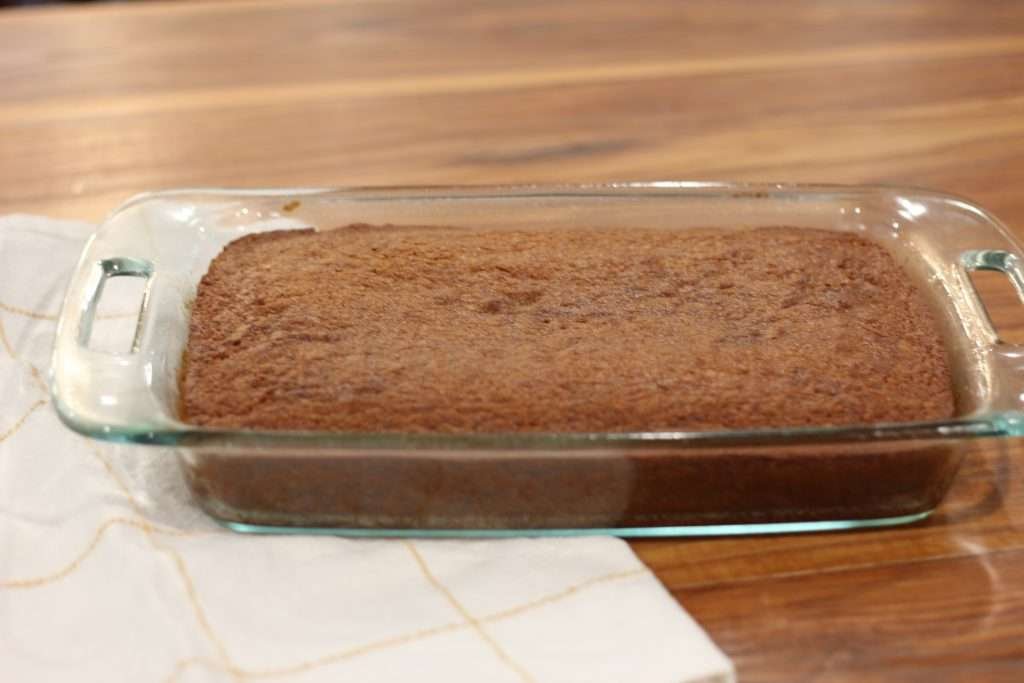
100, 102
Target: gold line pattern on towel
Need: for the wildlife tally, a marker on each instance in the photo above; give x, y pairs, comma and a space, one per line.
469, 618
396, 641
53, 577
21, 420
179, 565
26, 312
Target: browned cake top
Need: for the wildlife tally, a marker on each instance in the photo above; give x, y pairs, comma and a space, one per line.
426, 329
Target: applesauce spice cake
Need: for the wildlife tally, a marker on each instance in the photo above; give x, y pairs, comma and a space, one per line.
455, 330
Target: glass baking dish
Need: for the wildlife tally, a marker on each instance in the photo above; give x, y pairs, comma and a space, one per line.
629, 484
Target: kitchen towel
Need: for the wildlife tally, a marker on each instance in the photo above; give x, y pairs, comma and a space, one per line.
108, 572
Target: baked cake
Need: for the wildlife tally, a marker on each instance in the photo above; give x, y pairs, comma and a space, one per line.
458, 330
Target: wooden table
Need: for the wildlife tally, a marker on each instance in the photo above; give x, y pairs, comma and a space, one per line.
100, 102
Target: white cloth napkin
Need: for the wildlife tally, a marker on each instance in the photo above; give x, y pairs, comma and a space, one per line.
109, 573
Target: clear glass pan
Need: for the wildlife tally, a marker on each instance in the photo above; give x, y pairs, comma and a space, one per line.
648, 483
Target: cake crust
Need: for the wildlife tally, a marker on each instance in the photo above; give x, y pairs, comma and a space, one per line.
457, 330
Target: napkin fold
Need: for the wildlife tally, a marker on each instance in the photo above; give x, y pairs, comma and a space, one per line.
108, 572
